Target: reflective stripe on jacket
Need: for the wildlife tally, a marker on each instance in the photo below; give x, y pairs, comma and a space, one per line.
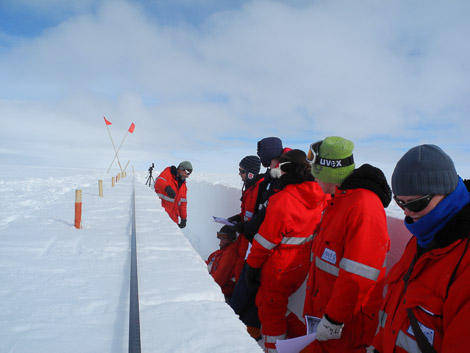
247, 209
441, 308
347, 271
281, 249
177, 206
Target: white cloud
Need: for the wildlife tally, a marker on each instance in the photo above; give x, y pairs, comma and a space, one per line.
396, 73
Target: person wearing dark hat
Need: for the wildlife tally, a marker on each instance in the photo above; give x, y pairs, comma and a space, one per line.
170, 187
347, 271
242, 302
427, 304
221, 263
249, 168
280, 255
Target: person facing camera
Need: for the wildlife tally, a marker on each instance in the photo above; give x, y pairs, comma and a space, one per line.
221, 263
170, 187
427, 304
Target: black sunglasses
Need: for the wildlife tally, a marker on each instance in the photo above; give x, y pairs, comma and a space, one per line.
416, 205
242, 171
188, 172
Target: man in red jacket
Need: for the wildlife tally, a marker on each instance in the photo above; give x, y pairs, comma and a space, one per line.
427, 304
221, 263
346, 277
170, 187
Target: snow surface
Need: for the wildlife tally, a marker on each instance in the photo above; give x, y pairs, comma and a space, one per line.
67, 290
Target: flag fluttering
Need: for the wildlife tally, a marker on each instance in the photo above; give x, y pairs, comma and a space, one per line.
106, 121
131, 129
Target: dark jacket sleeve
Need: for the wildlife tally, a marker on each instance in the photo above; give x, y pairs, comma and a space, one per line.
253, 225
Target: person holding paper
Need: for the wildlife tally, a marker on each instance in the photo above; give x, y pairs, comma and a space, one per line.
347, 271
279, 257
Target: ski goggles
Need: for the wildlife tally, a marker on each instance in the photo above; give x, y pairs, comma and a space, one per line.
416, 205
313, 157
313, 151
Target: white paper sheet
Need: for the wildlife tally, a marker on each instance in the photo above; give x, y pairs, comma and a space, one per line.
222, 220
295, 345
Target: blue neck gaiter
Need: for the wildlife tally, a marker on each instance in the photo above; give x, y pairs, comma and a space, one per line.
426, 228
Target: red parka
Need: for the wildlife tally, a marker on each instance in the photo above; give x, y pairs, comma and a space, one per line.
282, 250
438, 294
221, 266
177, 206
347, 271
247, 209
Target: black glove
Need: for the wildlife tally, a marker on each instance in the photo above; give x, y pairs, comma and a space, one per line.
239, 227
182, 224
253, 276
235, 219
170, 192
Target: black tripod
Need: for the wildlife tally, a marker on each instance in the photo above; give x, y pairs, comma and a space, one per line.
150, 177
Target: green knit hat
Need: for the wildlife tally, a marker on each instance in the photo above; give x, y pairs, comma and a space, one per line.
334, 161
186, 165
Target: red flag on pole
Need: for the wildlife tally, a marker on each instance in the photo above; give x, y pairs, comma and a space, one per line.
131, 129
106, 121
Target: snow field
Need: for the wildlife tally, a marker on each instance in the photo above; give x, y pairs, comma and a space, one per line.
67, 290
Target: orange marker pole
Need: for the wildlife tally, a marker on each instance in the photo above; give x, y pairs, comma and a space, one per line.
100, 187
113, 181
78, 209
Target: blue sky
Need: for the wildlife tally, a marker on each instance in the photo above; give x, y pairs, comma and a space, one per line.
205, 80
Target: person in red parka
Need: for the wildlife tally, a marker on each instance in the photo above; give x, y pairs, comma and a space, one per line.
347, 272
249, 168
221, 263
170, 187
280, 252
427, 303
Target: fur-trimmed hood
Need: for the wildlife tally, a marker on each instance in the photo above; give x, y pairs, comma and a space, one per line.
369, 178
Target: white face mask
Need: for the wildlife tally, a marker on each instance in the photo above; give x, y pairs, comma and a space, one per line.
275, 172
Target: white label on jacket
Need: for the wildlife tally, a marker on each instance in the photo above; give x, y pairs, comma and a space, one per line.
329, 255
428, 332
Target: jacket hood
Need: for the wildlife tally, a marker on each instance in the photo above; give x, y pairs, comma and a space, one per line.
369, 178
457, 228
308, 193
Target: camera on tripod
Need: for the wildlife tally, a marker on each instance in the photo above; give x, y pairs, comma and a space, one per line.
150, 177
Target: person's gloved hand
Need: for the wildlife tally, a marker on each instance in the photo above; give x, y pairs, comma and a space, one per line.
239, 227
253, 276
235, 218
182, 223
328, 330
170, 192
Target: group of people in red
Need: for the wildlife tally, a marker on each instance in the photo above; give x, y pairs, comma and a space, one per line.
314, 217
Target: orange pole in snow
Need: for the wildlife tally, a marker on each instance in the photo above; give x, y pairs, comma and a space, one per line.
100, 187
78, 209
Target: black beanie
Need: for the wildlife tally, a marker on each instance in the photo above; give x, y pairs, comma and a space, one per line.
268, 149
227, 232
423, 170
252, 165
